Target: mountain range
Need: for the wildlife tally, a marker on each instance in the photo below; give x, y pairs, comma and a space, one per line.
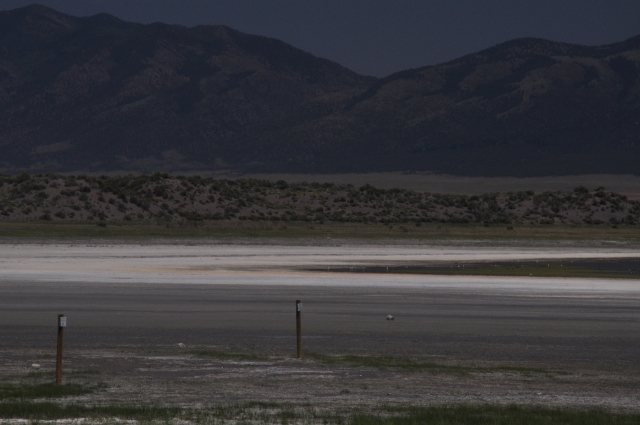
96, 94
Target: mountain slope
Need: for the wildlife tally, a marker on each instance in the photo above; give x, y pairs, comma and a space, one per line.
99, 94
527, 106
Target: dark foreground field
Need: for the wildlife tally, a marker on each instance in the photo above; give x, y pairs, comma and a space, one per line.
207, 353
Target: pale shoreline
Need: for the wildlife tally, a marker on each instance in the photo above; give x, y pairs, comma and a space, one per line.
282, 265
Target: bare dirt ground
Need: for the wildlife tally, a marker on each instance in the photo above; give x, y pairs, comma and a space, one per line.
532, 341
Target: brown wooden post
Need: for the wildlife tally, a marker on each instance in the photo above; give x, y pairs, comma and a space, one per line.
62, 323
299, 328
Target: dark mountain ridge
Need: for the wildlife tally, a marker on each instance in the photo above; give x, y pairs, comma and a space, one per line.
99, 94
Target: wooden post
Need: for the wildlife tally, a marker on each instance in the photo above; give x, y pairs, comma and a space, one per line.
62, 323
299, 328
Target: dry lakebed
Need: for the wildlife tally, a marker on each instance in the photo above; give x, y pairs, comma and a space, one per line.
201, 323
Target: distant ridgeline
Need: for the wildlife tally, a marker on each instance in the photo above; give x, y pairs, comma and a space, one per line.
160, 198
96, 94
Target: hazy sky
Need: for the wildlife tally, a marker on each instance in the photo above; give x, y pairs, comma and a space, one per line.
378, 37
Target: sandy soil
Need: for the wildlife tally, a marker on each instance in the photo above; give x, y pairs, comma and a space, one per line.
130, 305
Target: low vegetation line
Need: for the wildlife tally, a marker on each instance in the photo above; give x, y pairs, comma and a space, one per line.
46, 390
381, 362
51, 411
272, 413
178, 201
494, 415
369, 231
416, 366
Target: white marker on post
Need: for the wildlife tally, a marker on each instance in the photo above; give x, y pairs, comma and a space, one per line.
62, 323
299, 329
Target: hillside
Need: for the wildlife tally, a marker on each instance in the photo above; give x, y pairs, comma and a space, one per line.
526, 107
180, 200
98, 94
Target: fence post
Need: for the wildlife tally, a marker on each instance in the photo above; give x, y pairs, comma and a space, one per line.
299, 328
62, 323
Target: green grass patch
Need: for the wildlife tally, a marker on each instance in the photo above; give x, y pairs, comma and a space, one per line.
269, 413
52, 411
411, 365
256, 412
494, 415
48, 390
221, 355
